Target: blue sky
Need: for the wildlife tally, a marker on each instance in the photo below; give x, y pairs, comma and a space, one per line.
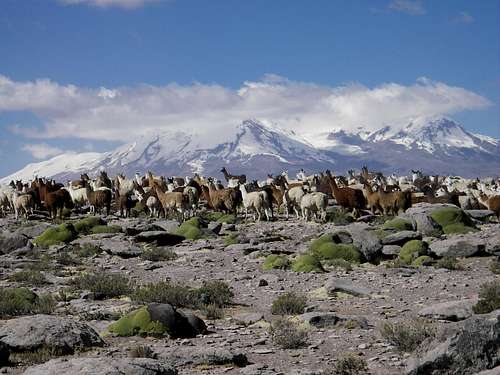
56, 56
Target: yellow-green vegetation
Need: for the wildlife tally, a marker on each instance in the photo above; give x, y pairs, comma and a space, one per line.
86, 250
36, 356
489, 298
156, 254
450, 263
105, 229
192, 229
325, 249
349, 364
381, 233
276, 261
139, 323
212, 311
219, 217
104, 284
288, 334
423, 260
231, 239
407, 336
411, 251
339, 217
289, 304
307, 263
28, 277
453, 220
340, 263
63, 233
85, 226
215, 292
495, 266
398, 224
22, 301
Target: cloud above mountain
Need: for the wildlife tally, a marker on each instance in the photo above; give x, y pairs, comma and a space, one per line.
42, 150
123, 113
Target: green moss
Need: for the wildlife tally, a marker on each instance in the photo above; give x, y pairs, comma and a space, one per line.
457, 228
137, 322
85, 225
231, 239
381, 233
192, 229
411, 251
423, 260
228, 219
331, 251
105, 229
63, 233
398, 224
307, 263
452, 220
318, 242
275, 261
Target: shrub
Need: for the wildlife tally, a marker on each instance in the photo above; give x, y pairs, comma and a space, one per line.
450, 263
105, 229
104, 285
332, 251
137, 322
36, 356
457, 228
407, 336
275, 261
29, 277
340, 263
142, 351
287, 334
423, 260
495, 266
212, 311
398, 224
219, 217
66, 259
21, 301
411, 251
87, 250
216, 293
339, 217
349, 364
191, 229
452, 220
289, 304
307, 263
63, 233
155, 254
165, 292
84, 226
489, 298
231, 239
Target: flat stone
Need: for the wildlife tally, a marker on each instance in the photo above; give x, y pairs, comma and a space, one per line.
161, 238
458, 246
320, 319
480, 214
452, 311
391, 250
402, 237
248, 318
346, 286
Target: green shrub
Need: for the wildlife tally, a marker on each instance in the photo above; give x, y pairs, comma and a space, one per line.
307, 263
289, 304
216, 293
398, 224
411, 251
320, 241
423, 260
212, 311
453, 220
192, 229
275, 261
407, 336
84, 226
86, 250
495, 266
63, 233
137, 322
458, 228
331, 251
156, 254
104, 284
22, 301
450, 263
340, 263
349, 364
36, 356
231, 239
489, 298
287, 334
339, 217
28, 277
105, 229
165, 292
66, 259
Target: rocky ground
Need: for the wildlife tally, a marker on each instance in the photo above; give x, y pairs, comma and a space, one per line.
344, 313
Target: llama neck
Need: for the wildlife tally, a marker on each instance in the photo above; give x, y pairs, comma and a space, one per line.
243, 191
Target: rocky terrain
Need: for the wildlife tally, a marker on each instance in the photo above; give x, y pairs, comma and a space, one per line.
378, 296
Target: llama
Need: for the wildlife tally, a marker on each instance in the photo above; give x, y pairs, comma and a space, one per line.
23, 203
56, 201
256, 200
492, 203
372, 199
99, 199
314, 203
292, 199
346, 197
226, 200
241, 178
172, 201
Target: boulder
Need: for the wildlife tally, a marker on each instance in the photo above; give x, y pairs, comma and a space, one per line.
107, 366
400, 238
12, 242
458, 246
480, 214
364, 239
205, 355
391, 250
248, 318
32, 332
471, 346
322, 319
452, 311
161, 238
215, 227
32, 231
345, 286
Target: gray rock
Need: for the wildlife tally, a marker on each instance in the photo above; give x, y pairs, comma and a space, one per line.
472, 346
494, 371
480, 214
178, 323
345, 286
32, 332
243, 247
248, 318
104, 366
320, 319
205, 355
458, 246
32, 231
161, 238
400, 238
391, 250
134, 230
364, 239
215, 227
12, 242
167, 225
419, 215
453, 310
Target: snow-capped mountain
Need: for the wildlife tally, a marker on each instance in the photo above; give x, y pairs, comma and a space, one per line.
437, 145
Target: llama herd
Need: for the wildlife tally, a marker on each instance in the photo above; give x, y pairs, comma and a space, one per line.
307, 196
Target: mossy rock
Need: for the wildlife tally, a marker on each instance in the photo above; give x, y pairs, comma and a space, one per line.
138, 323
275, 261
411, 251
63, 233
458, 228
423, 260
452, 217
307, 263
318, 242
331, 251
106, 229
85, 225
398, 224
192, 229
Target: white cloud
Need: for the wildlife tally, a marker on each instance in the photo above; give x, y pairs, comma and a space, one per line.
41, 150
124, 113
413, 7
127, 4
